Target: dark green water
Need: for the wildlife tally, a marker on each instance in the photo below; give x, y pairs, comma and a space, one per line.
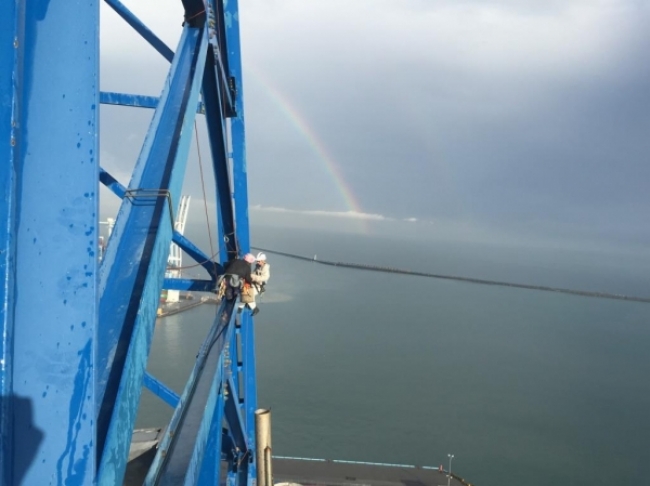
524, 387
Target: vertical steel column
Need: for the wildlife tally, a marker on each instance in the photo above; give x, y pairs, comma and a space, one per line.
211, 466
216, 123
48, 239
11, 37
237, 130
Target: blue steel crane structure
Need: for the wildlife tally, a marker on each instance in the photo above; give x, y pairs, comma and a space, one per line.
76, 332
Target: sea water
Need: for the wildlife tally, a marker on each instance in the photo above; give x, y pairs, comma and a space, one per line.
523, 387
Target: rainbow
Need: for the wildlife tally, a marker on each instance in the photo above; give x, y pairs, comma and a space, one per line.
302, 126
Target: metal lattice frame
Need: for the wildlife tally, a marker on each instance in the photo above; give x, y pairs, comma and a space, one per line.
76, 334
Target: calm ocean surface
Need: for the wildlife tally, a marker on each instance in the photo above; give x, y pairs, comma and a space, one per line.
524, 387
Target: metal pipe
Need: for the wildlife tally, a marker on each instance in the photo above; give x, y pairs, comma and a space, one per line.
263, 447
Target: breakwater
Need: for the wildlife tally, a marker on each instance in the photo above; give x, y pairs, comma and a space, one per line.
377, 268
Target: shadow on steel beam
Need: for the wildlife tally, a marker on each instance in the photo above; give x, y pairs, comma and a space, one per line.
26, 437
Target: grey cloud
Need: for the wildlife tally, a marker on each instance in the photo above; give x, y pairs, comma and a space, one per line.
527, 116
549, 137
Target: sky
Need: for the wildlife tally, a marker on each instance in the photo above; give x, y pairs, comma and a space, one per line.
517, 119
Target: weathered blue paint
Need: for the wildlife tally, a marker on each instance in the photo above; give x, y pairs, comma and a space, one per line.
136, 258
110, 182
10, 96
47, 132
231, 21
70, 386
141, 29
124, 99
135, 101
161, 390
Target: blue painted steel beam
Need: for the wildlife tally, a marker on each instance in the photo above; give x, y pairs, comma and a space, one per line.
234, 419
10, 117
136, 257
238, 461
217, 17
231, 18
236, 457
215, 397
135, 263
161, 390
218, 41
124, 99
135, 101
174, 451
237, 129
48, 237
210, 472
141, 29
228, 451
213, 268
235, 360
206, 462
219, 149
110, 182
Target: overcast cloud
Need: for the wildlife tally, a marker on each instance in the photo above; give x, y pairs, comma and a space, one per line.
525, 117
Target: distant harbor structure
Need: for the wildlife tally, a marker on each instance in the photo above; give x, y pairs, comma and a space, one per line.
103, 242
175, 260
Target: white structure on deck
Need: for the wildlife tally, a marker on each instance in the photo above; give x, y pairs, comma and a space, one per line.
110, 222
175, 260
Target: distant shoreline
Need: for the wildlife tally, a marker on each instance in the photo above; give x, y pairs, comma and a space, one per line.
376, 268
